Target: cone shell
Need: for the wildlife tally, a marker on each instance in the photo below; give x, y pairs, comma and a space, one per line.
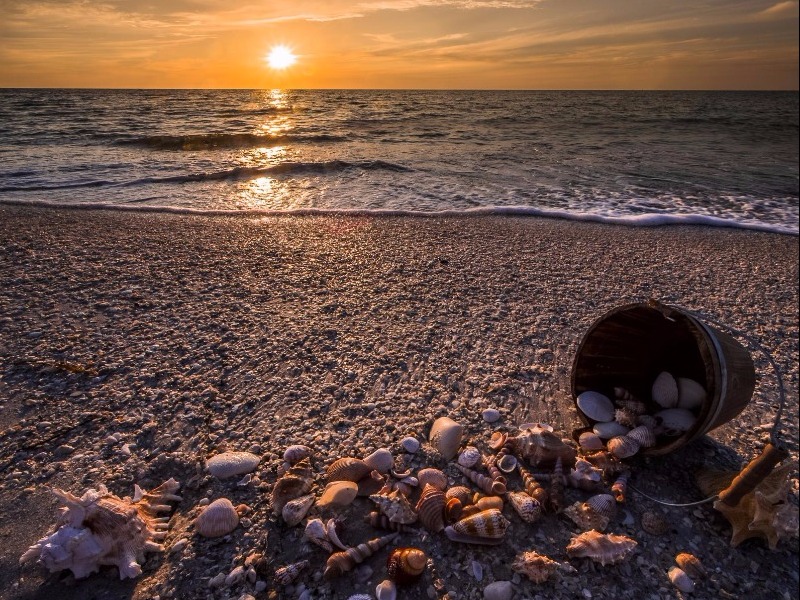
217, 519
469, 457
406, 565
486, 524
286, 575
381, 460
529, 509
643, 435
430, 508
623, 446
295, 510
681, 580
433, 477
665, 390
338, 494
446, 436
536, 567
589, 440
606, 549
396, 507
596, 406
231, 464
347, 469
691, 565
654, 523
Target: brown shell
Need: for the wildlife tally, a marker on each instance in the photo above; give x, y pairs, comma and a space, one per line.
464, 494
691, 565
487, 502
434, 477
430, 508
606, 549
541, 448
620, 488
595, 513
347, 469
622, 446
380, 521
217, 519
536, 567
497, 440
341, 562
286, 575
681, 580
453, 510
296, 482
533, 488
528, 508
654, 523
406, 565
484, 483
486, 524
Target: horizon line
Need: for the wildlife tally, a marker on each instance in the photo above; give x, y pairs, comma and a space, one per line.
401, 89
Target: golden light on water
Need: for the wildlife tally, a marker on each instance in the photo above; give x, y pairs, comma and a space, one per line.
281, 57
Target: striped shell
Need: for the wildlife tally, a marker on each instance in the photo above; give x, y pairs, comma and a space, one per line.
347, 469
217, 519
529, 509
681, 580
286, 575
464, 494
483, 482
340, 563
654, 523
469, 457
295, 510
381, 460
589, 440
231, 464
606, 549
406, 565
536, 567
445, 436
294, 483
430, 508
619, 489
665, 390
486, 524
623, 446
395, 506
691, 565
644, 435
434, 477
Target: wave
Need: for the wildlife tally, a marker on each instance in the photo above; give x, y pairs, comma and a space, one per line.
634, 220
221, 141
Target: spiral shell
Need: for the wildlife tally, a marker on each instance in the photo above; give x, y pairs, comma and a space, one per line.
620, 487
295, 510
483, 482
556, 491
286, 575
623, 446
486, 524
606, 549
469, 457
395, 506
532, 487
342, 562
294, 483
217, 519
406, 565
445, 436
347, 469
665, 390
624, 399
654, 523
681, 580
430, 508
380, 521
691, 565
589, 440
536, 567
529, 509
433, 477
464, 494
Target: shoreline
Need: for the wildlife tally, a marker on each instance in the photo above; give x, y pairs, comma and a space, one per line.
190, 334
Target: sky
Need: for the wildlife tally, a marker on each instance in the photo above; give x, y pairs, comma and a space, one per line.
452, 44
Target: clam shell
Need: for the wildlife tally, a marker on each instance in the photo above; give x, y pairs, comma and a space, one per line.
596, 406
495, 443
675, 421
529, 509
338, 493
446, 436
347, 469
681, 580
486, 524
217, 519
665, 390
691, 395
469, 457
606, 549
464, 494
231, 464
536, 567
589, 440
410, 444
294, 454
607, 431
406, 565
295, 510
643, 435
430, 508
381, 460
433, 477
691, 565
385, 590
603, 504
623, 446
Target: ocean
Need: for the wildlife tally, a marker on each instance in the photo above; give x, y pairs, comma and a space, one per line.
638, 158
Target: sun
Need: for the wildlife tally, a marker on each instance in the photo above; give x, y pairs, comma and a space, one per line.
281, 57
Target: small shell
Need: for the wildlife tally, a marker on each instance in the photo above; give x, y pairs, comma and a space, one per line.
469, 457
486, 524
606, 549
496, 442
295, 510
347, 469
294, 454
342, 562
536, 567
445, 436
623, 446
434, 477
595, 513
625, 417
488, 502
386, 590
609, 430
296, 482
529, 509
379, 521
231, 464
338, 494
453, 510
691, 565
286, 575
620, 488
410, 444
675, 421
381, 460
491, 415
217, 519
585, 476
315, 532
691, 395
395, 506
681, 580
596, 406
654, 523
430, 508
332, 529
507, 463
406, 565
589, 440
665, 390
464, 494
643, 435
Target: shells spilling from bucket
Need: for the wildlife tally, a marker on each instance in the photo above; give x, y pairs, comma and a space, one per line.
624, 424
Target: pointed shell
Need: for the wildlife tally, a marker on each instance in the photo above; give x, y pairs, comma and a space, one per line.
605, 549
433, 477
347, 469
596, 406
536, 567
338, 494
607, 431
691, 395
691, 565
231, 464
469, 457
430, 508
681, 580
381, 460
529, 509
446, 436
295, 510
380, 521
486, 524
675, 421
589, 440
344, 561
217, 519
623, 446
315, 532
665, 390
286, 575
406, 565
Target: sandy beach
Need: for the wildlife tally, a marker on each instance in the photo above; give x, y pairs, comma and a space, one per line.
133, 346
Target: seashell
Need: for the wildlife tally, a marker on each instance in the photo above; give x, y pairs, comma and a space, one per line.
469, 457
445, 436
231, 464
371, 484
654, 523
381, 460
410, 444
681, 580
529, 509
674, 421
691, 395
606, 462
536, 567
217, 519
532, 487
665, 390
691, 565
488, 502
541, 448
347, 469
595, 513
556, 491
486, 484
434, 477
606, 431
315, 532
286, 575
294, 483
496, 442
596, 406
643, 435
380, 521
295, 510
585, 476
332, 528
606, 549
625, 417
406, 565
623, 446
430, 508
338, 494
589, 440
395, 506
507, 463
342, 562
99, 528
294, 454
464, 494
386, 590
453, 510
494, 472
648, 421
620, 487
486, 524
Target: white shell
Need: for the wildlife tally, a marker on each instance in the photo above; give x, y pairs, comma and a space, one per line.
296, 453
295, 510
607, 431
386, 590
381, 460
217, 519
446, 436
231, 464
469, 457
665, 390
410, 444
691, 394
643, 435
596, 406
675, 421
589, 440
681, 580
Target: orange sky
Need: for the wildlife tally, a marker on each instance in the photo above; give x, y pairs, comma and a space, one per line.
508, 44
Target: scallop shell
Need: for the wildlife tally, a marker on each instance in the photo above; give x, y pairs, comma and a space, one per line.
607, 431
529, 509
446, 436
338, 494
406, 565
347, 469
691, 565
395, 506
464, 494
536, 567
430, 508
665, 390
486, 524
100, 528
342, 562
385, 590
675, 421
294, 454
507, 463
623, 446
286, 575
294, 483
295, 510
381, 460
589, 440
654, 523
217, 519
606, 549
434, 477
596, 406
643, 435
681, 580
469, 457
691, 395
231, 464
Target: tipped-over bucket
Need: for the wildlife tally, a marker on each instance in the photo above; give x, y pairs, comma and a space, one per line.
629, 346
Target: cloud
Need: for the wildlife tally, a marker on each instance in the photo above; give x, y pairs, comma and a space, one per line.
780, 9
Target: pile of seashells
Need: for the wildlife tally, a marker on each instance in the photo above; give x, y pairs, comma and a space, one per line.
628, 424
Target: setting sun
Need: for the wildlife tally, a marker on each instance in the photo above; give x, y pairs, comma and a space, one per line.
281, 57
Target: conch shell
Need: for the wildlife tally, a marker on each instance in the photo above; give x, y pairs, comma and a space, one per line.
536, 567
606, 549
341, 562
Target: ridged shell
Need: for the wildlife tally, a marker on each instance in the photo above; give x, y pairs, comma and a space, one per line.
596, 406
486, 524
294, 483
406, 565
295, 510
691, 395
286, 575
606, 549
507, 463
536, 567
654, 523
347, 469
607, 431
675, 421
430, 508
625, 417
681, 580
589, 440
396, 507
381, 460
464, 494
379, 521
643, 435
231, 464
595, 513
385, 590
340, 563
623, 446
469, 457
665, 390
446, 436
217, 519
294, 454
433, 477
338, 494
529, 509
691, 565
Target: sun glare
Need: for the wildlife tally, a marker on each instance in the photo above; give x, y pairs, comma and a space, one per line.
281, 57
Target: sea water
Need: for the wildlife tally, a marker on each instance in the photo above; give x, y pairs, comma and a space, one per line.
641, 158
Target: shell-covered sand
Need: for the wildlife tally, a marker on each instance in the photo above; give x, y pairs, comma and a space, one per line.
135, 346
